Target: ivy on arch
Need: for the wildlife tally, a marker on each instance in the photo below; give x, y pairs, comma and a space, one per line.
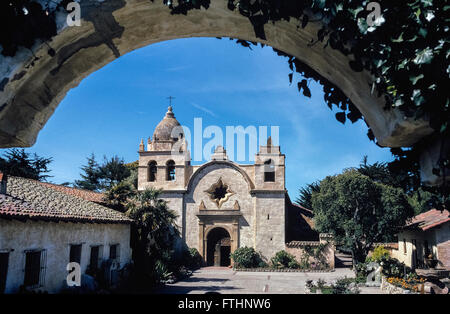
406, 51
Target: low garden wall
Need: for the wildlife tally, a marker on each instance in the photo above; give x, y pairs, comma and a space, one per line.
313, 252
282, 270
389, 288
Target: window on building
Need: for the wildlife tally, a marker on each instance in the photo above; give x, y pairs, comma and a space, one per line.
114, 251
152, 171
34, 268
170, 170
404, 246
95, 257
75, 253
4, 259
269, 171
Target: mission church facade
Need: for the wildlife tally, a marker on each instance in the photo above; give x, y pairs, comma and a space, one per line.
221, 205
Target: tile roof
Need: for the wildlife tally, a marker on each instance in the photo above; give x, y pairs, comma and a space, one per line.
306, 214
34, 199
84, 194
429, 219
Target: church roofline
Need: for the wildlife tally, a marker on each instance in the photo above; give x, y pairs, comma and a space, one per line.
224, 162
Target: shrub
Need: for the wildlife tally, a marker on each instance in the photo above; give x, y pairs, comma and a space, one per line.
193, 259
293, 265
341, 286
393, 268
345, 286
361, 272
379, 253
162, 273
247, 257
283, 259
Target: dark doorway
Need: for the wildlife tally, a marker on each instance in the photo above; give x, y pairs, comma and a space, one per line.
218, 248
225, 255
4, 257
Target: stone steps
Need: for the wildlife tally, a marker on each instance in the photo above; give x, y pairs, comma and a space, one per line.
343, 260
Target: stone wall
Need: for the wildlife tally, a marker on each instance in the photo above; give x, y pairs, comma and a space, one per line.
161, 159
237, 183
270, 218
388, 288
56, 238
443, 251
297, 249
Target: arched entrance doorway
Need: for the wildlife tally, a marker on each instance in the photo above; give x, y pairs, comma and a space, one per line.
218, 247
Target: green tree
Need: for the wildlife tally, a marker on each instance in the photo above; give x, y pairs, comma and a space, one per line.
394, 175
359, 211
379, 172
113, 171
17, 162
154, 231
305, 194
118, 195
133, 177
91, 175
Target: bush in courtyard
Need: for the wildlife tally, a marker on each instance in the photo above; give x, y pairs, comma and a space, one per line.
340, 286
194, 259
283, 259
379, 253
393, 268
361, 272
162, 273
247, 257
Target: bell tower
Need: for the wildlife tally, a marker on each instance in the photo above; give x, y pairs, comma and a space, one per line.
269, 168
165, 163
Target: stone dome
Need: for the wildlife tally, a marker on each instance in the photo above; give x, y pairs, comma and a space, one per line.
163, 131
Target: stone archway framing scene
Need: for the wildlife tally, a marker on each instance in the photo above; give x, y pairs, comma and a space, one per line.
181, 219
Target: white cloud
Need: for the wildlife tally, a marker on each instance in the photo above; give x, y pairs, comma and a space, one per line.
206, 110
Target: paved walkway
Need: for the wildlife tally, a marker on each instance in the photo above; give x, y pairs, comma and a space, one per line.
226, 281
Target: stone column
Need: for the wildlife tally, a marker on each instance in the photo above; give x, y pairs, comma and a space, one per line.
201, 240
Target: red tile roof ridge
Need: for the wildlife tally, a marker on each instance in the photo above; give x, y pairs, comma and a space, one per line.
430, 219
28, 197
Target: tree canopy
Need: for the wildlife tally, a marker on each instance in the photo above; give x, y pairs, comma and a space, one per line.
18, 162
90, 177
421, 198
359, 211
102, 177
305, 194
154, 232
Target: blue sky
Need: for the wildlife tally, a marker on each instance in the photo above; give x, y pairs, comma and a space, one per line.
216, 80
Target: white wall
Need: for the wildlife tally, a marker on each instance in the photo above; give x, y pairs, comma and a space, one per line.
436, 237
56, 239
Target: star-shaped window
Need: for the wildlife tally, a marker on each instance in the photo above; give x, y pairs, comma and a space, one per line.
219, 192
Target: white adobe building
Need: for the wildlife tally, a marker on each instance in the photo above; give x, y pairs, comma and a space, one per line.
43, 227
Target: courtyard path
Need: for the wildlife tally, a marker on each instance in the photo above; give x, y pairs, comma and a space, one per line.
227, 281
